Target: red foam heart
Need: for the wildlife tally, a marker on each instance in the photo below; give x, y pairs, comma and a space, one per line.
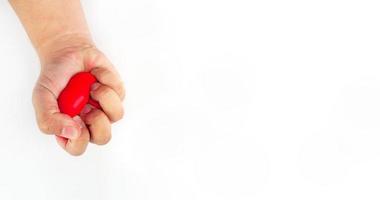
76, 94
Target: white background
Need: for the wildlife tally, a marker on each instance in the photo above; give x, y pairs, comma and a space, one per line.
226, 100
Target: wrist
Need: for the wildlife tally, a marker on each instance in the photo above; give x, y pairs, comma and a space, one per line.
64, 43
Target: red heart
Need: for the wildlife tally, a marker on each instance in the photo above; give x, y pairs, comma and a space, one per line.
76, 94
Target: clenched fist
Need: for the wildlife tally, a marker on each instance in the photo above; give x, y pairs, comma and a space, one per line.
92, 124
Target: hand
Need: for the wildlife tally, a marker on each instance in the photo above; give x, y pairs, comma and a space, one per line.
60, 61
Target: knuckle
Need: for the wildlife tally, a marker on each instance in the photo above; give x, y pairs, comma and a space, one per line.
93, 116
76, 152
103, 91
103, 74
121, 90
107, 75
43, 128
44, 125
104, 139
118, 115
97, 71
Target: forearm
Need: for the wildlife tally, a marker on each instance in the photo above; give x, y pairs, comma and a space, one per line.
53, 24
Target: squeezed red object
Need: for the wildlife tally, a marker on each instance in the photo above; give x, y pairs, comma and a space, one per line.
76, 94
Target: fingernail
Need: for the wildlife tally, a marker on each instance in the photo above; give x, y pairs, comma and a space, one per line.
79, 121
69, 132
61, 141
93, 70
95, 86
86, 109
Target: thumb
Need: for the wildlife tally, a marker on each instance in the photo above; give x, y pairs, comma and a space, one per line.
60, 124
49, 118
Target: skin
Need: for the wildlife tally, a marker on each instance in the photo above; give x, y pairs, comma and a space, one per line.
60, 35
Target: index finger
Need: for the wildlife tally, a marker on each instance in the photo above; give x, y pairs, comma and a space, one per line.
110, 78
104, 71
